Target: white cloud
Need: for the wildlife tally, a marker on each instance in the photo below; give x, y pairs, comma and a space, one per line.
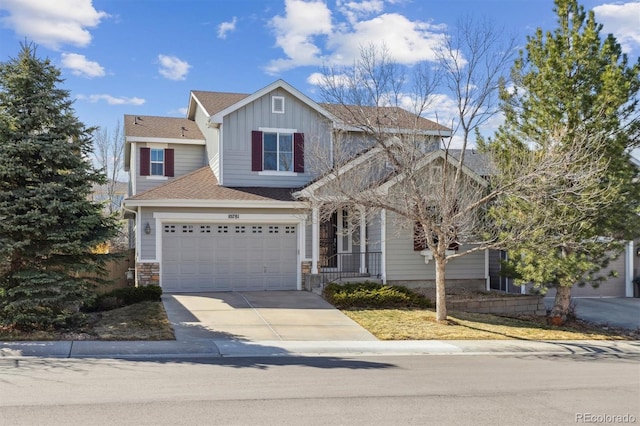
308, 35
112, 100
173, 68
354, 10
80, 65
408, 41
296, 33
227, 27
52, 23
623, 21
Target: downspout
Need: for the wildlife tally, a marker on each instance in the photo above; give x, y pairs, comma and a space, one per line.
486, 271
383, 245
628, 276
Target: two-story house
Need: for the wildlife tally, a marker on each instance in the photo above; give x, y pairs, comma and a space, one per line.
213, 206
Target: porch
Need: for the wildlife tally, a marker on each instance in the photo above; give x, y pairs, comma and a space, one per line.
345, 246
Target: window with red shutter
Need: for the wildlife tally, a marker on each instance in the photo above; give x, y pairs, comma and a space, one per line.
145, 161
298, 152
169, 162
256, 151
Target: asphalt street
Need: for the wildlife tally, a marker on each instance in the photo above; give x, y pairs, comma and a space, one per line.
524, 389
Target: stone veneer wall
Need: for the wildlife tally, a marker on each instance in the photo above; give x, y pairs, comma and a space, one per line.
518, 305
147, 274
306, 269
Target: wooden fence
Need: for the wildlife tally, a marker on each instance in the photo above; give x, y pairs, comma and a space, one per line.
117, 272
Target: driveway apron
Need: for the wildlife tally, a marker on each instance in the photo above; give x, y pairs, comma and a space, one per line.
259, 316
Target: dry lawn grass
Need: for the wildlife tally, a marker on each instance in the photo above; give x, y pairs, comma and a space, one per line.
395, 324
142, 321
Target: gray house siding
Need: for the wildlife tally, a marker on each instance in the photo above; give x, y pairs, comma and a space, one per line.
404, 264
236, 144
211, 136
187, 159
374, 234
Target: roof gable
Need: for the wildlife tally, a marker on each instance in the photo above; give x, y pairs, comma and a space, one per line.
218, 116
453, 159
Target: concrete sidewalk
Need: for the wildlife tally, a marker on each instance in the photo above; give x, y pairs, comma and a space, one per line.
229, 348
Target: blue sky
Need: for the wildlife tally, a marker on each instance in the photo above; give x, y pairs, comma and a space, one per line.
144, 56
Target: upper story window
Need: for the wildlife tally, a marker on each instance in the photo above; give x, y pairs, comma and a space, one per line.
156, 162
277, 150
277, 104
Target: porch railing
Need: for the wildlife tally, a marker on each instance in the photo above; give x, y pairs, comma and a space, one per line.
352, 265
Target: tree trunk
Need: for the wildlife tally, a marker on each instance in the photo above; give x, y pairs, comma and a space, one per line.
441, 302
561, 305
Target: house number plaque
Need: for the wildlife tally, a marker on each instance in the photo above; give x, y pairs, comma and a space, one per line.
234, 216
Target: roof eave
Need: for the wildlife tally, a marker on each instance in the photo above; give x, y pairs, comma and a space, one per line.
214, 203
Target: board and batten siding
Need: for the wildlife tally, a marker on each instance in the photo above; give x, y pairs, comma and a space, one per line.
187, 158
236, 144
405, 264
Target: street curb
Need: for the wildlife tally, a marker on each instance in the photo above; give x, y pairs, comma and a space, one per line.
232, 349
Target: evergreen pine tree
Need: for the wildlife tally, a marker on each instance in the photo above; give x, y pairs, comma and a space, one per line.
572, 87
48, 226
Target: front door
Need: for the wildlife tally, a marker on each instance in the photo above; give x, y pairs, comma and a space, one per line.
329, 242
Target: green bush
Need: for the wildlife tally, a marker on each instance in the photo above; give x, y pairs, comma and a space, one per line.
125, 296
373, 295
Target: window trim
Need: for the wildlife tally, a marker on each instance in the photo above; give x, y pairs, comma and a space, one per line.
151, 162
278, 132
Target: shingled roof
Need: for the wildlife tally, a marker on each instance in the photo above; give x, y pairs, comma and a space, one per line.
202, 184
385, 117
214, 102
161, 127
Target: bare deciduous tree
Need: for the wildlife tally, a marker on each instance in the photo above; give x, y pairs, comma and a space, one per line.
386, 158
108, 148
109, 151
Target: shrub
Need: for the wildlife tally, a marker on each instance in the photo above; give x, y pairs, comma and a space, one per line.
373, 295
125, 296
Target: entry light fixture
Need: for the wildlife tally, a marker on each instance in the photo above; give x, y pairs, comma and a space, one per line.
147, 229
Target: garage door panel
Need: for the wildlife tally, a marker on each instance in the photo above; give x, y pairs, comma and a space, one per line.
225, 257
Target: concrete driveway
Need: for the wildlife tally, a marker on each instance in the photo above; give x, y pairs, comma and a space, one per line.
259, 316
616, 311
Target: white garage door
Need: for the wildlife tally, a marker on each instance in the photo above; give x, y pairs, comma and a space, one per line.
228, 257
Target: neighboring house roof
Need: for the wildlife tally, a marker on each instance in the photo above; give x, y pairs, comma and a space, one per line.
118, 188
202, 185
476, 161
385, 117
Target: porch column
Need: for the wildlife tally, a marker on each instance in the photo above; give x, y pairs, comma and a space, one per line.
363, 240
315, 240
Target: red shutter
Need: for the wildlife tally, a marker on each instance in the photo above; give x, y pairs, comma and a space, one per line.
298, 152
145, 161
419, 242
168, 162
256, 151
